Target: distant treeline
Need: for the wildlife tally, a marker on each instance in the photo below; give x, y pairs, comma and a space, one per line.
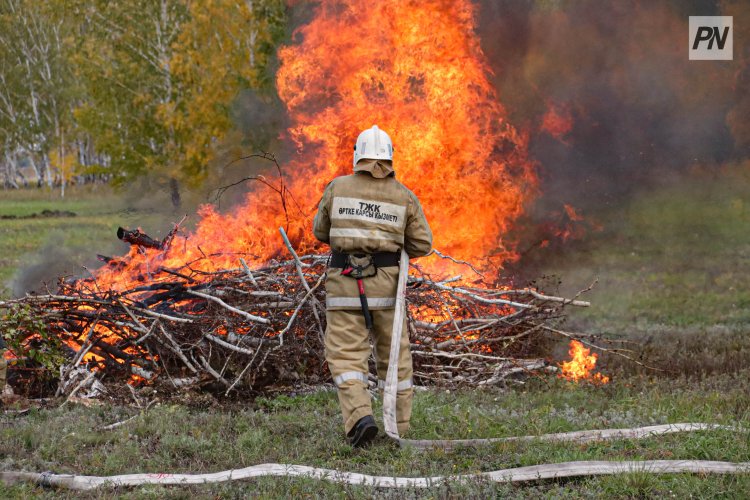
102, 90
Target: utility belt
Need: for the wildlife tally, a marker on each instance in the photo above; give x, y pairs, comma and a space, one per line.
360, 266
341, 260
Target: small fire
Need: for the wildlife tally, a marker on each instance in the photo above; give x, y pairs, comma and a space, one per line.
573, 214
568, 224
557, 122
581, 364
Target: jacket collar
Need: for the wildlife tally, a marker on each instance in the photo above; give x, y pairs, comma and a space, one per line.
379, 169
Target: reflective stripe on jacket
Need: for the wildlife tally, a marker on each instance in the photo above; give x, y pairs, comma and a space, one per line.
363, 214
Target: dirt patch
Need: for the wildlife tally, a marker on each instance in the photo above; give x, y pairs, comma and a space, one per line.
44, 214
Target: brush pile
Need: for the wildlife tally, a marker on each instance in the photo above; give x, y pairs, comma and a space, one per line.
249, 331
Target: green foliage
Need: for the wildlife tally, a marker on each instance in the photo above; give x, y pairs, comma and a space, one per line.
123, 63
172, 69
37, 85
132, 87
27, 336
223, 48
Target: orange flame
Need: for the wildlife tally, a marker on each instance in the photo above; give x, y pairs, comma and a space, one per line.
572, 213
416, 70
571, 225
557, 122
581, 364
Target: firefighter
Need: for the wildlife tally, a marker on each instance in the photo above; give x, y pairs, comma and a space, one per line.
367, 218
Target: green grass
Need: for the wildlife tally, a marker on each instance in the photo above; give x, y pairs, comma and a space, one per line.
307, 430
51, 246
673, 274
677, 257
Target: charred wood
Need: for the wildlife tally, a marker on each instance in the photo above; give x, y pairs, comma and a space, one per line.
138, 238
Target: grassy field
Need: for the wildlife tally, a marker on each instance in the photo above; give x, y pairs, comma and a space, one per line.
305, 429
45, 247
673, 274
676, 257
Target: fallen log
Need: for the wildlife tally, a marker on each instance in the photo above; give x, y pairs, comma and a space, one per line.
141, 239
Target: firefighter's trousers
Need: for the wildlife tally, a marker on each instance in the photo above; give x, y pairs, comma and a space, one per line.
347, 352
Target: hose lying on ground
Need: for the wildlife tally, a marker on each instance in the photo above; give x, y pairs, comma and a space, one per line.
519, 474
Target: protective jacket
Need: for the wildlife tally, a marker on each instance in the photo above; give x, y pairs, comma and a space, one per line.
369, 212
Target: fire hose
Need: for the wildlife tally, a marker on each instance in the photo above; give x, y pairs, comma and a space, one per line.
391, 377
517, 474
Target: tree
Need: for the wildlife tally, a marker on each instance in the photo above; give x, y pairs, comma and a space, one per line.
173, 67
37, 85
223, 48
129, 88
124, 63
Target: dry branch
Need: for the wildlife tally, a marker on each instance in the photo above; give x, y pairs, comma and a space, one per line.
261, 328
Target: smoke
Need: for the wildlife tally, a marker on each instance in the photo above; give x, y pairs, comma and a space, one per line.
59, 258
639, 110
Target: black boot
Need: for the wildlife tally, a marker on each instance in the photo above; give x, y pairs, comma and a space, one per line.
363, 432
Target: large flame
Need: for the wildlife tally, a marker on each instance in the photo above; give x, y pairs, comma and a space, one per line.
416, 70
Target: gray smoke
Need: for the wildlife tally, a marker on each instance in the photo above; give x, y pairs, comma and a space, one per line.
59, 258
641, 110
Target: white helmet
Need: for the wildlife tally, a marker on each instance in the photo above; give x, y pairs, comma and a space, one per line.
373, 144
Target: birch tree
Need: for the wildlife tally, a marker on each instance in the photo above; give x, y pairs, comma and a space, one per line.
127, 88
34, 81
124, 63
224, 47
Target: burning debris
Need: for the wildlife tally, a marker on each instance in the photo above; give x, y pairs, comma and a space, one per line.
252, 330
183, 311
189, 311
581, 365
